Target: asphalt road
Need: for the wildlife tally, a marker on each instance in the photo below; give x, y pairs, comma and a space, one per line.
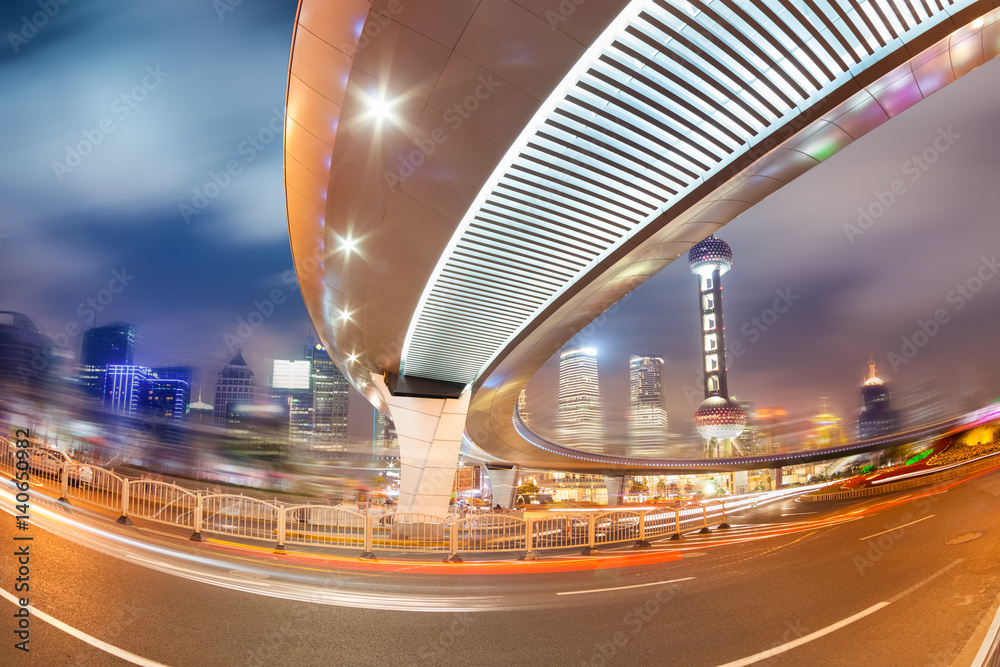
824, 584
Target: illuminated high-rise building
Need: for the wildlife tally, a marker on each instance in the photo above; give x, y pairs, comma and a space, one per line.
383, 432
291, 390
330, 401
234, 387
877, 417
113, 344
183, 373
719, 419
647, 413
164, 397
826, 429
125, 388
522, 408
579, 422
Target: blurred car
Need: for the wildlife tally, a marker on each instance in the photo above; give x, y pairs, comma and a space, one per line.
51, 462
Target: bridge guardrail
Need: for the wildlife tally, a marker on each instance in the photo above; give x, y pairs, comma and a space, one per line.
377, 531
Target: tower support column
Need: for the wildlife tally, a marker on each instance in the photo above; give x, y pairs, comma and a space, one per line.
615, 484
503, 484
430, 437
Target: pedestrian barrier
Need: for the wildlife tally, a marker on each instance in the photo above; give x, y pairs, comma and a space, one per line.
368, 531
325, 526
162, 502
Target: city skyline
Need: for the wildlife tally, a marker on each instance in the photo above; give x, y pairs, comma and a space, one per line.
828, 273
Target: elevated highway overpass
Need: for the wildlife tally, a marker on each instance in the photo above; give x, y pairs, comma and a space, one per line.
471, 183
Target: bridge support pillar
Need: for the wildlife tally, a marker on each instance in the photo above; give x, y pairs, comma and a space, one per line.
616, 489
430, 437
503, 483
775, 479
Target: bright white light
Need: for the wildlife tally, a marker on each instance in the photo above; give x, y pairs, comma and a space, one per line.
289, 374
348, 244
352, 358
380, 109
345, 316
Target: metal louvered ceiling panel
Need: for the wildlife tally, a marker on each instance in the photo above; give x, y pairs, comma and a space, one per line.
671, 93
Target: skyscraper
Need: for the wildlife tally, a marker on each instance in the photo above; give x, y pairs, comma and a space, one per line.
877, 416
647, 414
579, 422
164, 398
719, 419
291, 389
183, 373
383, 432
103, 346
28, 359
522, 407
235, 386
330, 401
125, 388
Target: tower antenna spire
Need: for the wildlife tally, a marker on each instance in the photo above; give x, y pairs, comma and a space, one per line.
718, 418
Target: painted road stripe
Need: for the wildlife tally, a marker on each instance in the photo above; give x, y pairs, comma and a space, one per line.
764, 655
84, 637
896, 528
621, 588
777, 650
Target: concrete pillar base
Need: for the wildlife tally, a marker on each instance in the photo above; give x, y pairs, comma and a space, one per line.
616, 489
503, 483
430, 437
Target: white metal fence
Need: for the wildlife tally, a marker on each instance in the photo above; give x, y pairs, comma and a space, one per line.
367, 531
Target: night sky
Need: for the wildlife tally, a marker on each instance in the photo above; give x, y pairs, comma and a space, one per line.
162, 95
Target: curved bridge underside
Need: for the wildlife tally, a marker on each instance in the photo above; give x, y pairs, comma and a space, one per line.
512, 190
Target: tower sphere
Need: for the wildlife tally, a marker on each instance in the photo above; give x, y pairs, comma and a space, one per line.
720, 418
710, 254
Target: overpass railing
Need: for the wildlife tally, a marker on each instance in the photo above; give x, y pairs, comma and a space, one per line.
368, 531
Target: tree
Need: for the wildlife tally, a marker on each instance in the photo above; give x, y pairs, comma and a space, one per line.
527, 488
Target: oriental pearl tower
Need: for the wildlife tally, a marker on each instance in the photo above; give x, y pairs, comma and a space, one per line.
719, 419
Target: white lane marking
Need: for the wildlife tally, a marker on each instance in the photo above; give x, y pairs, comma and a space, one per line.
83, 636
621, 588
763, 655
777, 650
896, 528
